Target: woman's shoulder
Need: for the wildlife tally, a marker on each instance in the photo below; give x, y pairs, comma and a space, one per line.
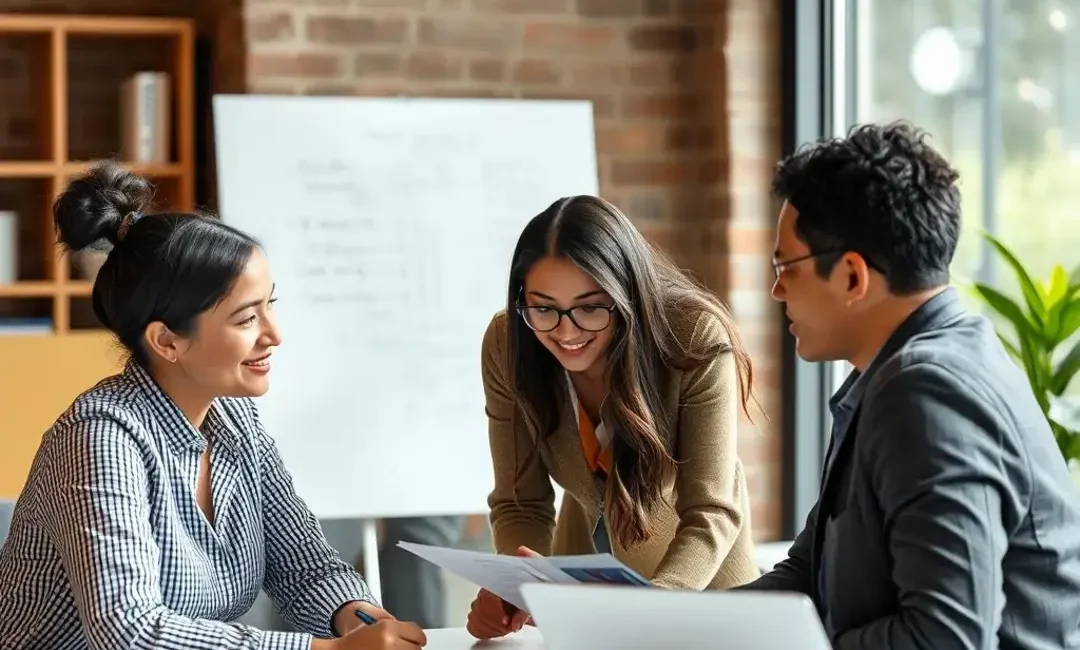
495, 334
114, 400
103, 427
698, 329
493, 350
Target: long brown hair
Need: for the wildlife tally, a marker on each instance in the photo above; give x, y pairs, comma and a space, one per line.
649, 291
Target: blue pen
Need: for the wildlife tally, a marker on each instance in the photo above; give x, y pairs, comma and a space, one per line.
364, 616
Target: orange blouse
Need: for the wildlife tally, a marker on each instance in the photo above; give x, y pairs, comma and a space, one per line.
598, 459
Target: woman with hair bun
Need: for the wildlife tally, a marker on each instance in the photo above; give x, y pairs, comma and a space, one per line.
157, 507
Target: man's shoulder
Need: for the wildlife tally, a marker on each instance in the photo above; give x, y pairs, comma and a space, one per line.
949, 380
965, 356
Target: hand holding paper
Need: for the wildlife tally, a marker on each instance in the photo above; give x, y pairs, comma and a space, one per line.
525, 551
521, 617
491, 617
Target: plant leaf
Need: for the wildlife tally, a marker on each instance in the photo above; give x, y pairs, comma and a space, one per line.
1013, 351
1068, 440
1057, 299
1036, 373
1059, 284
1005, 306
1032, 296
1070, 320
1061, 437
1073, 443
1065, 371
1074, 277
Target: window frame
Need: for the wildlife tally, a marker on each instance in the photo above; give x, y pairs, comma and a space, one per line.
825, 91
807, 85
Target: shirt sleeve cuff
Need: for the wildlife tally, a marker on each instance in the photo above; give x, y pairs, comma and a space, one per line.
326, 597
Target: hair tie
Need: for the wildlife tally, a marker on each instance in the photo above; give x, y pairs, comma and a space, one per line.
125, 224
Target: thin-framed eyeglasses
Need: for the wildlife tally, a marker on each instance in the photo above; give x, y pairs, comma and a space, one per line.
779, 266
545, 318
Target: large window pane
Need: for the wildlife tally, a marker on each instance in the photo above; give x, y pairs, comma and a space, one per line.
926, 61
996, 84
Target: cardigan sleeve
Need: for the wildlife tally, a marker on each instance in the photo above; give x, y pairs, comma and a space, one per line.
522, 501
709, 477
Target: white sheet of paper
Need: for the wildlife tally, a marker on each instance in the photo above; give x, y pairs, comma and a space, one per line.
503, 575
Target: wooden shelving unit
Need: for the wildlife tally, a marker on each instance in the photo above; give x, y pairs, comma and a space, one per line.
74, 64
53, 37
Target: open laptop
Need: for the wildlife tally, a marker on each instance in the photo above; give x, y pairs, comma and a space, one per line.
603, 617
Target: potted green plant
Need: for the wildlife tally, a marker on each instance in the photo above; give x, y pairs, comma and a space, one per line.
1041, 340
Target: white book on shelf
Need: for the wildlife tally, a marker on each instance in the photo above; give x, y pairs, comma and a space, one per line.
145, 112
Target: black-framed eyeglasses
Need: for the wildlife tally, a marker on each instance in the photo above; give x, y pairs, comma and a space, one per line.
545, 318
779, 266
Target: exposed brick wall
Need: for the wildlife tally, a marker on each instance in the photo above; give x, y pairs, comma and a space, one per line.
753, 128
685, 95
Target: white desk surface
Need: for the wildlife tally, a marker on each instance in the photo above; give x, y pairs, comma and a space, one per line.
456, 638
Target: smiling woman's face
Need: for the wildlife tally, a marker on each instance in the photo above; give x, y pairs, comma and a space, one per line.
228, 354
557, 283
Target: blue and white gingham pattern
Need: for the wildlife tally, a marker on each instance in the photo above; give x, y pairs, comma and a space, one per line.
108, 548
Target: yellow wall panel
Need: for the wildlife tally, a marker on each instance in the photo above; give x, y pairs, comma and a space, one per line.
39, 378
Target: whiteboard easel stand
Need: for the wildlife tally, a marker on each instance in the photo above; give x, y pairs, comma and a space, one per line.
369, 535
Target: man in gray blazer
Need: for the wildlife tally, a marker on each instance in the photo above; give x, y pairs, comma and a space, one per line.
946, 516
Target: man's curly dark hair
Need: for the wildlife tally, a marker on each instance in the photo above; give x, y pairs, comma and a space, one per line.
882, 192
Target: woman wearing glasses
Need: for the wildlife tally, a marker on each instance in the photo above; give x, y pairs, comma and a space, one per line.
617, 376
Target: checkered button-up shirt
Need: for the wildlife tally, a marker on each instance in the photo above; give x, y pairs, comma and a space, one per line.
108, 548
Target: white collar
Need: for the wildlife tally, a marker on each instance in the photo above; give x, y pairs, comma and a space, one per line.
598, 429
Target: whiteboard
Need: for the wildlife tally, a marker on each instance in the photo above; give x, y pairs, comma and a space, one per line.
390, 225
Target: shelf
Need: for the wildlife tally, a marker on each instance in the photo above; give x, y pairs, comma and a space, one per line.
46, 289
27, 169
30, 289
167, 170
48, 169
63, 106
26, 25
78, 288
94, 25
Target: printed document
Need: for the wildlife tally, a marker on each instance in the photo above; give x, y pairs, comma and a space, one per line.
503, 575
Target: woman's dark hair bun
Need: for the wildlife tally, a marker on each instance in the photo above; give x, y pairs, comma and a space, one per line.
92, 206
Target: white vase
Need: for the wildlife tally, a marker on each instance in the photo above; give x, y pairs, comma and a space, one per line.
9, 247
87, 263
